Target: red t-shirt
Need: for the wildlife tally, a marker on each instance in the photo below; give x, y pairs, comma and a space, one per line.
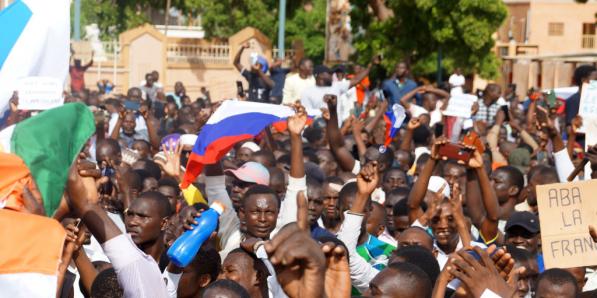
77, 78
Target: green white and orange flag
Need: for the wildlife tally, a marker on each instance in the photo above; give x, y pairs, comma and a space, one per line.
31, 250
48, 143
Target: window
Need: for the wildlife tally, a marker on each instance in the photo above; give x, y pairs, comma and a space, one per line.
555, 29
588, 36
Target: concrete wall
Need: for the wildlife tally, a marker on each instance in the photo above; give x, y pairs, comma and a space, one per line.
571, 14
144, 49
515, 22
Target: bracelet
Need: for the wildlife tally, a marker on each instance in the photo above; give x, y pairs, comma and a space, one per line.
257, 245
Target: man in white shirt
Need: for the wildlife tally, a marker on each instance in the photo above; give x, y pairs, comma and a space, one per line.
296, 83
456, 81
433, 103
313, 97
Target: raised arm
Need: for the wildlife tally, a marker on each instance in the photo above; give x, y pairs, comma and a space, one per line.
406, 143
90, 61
116, 130
266, 79
154, 139
489, 223
335, 139
364, 73
296, 181
419, 189
83, 198
379, 112
357, 129
405, 100
236, 62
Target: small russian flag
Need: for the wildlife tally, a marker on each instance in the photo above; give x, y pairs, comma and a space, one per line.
393, 120
232, 122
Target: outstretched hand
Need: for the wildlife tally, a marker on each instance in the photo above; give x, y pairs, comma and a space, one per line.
298, 260
331, 100
297, 122
368, 178
172, 153
81, 187
477, 276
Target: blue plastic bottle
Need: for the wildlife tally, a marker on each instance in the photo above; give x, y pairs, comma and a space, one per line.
184, 249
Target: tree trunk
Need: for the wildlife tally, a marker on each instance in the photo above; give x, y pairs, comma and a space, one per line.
381, 11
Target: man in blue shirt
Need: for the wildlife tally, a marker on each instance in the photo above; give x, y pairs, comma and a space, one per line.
399, 84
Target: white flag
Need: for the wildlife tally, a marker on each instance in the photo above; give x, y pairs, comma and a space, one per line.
34, 41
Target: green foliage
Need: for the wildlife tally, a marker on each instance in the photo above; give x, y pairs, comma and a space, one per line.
462, 28
112, 16
221, 18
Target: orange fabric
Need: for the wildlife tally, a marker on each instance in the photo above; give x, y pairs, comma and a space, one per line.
495, 165
14, 176
30, 243
361, 88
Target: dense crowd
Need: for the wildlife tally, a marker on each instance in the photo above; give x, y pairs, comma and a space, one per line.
322, 208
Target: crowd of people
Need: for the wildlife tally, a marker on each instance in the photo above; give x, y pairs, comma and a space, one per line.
322, 209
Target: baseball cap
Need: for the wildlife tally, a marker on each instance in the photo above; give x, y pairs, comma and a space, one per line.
319, 69
251, 172
436, 183
251, 146
524, 219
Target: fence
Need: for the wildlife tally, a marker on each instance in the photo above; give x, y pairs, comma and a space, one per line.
588, 41
193, 53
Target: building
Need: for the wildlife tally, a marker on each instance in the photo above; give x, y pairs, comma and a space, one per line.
542, 41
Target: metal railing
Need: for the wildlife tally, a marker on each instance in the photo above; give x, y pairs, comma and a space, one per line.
209, 54
289, 54
588, 41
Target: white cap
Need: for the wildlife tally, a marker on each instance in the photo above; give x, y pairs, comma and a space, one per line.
218, 207
436, 183
251, 146
188, 139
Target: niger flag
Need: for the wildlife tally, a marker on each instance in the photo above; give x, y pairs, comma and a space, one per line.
30, 250
48, 143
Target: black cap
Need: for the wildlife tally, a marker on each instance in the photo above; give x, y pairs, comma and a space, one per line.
524, 219
321, 69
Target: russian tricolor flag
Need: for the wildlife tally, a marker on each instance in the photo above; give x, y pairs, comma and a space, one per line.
233, 121
393, 120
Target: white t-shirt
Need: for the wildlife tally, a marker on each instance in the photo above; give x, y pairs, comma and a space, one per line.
312, 97
294, 86
435, 115
456, 80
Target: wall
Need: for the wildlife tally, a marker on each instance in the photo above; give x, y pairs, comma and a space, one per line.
516, 22
195, 62
571, 14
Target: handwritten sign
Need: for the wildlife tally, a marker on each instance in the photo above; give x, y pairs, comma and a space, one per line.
588, 100
565, 212
460, 105
39, 93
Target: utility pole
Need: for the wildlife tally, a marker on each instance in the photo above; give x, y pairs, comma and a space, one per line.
77, 20
281, 28
167, 17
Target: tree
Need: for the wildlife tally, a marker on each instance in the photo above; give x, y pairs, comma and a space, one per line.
418, 28
305, 20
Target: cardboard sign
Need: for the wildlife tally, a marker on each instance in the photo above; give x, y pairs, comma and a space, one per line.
39, 93
565, 212
588, 100
460, 105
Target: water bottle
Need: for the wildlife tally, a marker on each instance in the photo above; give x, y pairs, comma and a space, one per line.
184, 249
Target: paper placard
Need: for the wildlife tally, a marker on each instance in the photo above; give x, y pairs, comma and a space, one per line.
588, 100
39, 93
460, 105
565, 212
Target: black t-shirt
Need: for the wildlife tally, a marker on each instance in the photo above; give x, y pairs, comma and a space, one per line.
258, 90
